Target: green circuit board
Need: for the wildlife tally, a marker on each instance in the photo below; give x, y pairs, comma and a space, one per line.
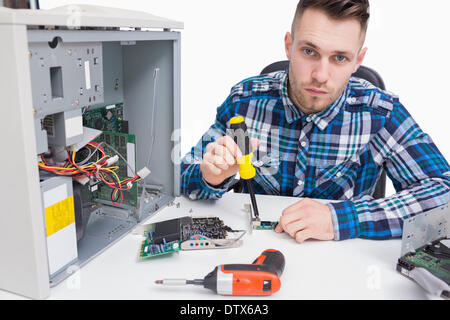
150, 250
265, 225
125, 144
166, 236
439, 266
109, 119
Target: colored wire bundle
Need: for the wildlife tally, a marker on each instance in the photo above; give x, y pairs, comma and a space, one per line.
102, 169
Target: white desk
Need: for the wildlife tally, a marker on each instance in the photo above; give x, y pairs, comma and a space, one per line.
350, 269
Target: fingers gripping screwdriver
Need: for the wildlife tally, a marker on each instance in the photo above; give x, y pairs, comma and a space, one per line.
261, 278
239, 133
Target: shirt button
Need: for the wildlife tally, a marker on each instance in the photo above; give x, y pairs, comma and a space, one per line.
300, 182
338, 174
308, 119
303, 144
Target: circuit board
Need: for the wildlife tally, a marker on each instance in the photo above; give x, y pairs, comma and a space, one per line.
125, 144
438, 266
434, 257
109, 119
264, 225
213, 228
167, 236
150, 249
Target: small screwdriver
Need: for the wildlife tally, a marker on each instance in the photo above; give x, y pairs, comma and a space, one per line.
260, 278
247, 171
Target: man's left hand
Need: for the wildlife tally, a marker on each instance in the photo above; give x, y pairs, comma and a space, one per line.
307, 219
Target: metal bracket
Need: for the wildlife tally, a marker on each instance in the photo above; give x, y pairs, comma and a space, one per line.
425, 228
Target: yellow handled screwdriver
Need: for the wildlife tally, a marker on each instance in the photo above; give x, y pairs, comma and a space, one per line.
247, 171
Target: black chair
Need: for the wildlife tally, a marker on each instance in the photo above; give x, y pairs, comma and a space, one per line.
364, 73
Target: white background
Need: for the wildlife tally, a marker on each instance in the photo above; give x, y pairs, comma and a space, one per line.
224, 42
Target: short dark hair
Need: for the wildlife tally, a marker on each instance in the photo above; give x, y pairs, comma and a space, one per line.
337, 9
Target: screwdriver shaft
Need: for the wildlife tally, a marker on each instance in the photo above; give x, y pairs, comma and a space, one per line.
253, 198
179, 282
172, 282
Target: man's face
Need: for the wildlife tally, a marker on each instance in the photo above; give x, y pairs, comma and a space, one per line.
323, 54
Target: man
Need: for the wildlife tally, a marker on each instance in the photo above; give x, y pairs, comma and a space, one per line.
328, 136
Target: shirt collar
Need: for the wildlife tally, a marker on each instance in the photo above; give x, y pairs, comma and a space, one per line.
290, 110
320, 119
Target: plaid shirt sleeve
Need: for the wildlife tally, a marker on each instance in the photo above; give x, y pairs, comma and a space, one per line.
420, 174
192, 182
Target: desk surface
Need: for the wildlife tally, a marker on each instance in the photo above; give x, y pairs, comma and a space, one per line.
350, 269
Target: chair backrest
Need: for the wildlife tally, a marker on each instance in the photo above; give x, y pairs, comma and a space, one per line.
363, 72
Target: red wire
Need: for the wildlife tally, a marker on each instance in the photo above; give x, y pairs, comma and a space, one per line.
92, 171
43, 159
75, 165
100, 147
110, 184
118, 204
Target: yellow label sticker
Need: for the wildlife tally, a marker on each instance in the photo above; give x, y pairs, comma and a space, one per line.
59, 215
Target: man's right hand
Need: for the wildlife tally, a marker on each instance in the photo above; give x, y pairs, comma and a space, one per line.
219, 161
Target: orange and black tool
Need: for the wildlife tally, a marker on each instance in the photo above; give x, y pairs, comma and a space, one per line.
261, 278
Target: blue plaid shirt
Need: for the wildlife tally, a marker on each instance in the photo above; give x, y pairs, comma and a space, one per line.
338, 153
